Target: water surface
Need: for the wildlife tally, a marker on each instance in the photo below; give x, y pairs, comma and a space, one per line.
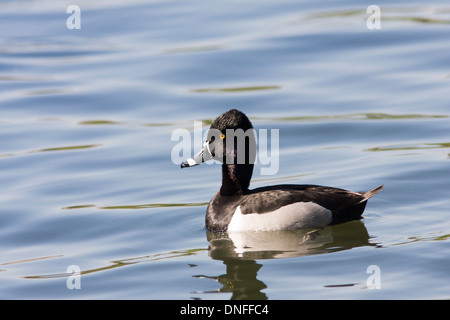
85, 142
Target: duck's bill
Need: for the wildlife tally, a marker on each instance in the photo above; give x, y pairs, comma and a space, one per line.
203, 155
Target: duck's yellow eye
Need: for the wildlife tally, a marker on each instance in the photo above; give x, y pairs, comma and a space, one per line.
222, 136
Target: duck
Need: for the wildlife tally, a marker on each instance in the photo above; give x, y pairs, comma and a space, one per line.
235, 207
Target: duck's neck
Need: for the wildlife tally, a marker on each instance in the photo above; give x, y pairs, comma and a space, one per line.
235, 179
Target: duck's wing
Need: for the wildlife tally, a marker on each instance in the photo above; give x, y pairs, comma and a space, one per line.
345, 205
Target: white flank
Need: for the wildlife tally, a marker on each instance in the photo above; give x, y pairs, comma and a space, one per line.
293, 216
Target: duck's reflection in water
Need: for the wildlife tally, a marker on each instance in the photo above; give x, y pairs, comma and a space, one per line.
240, 250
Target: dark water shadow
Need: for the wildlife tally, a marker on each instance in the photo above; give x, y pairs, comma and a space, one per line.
240, 251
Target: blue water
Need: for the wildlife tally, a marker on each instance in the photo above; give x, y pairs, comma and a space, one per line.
87, 116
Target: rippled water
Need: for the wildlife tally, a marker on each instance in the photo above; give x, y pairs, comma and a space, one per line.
85, 147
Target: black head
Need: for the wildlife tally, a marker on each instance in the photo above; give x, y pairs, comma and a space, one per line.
232, 119
231, 141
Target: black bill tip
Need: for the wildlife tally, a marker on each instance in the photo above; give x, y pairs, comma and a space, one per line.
184, 165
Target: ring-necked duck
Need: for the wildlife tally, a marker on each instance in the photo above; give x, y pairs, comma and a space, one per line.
280, 207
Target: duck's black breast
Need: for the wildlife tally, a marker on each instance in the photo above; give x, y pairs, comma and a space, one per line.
220, 211
342, 204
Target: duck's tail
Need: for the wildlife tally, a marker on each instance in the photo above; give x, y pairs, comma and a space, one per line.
369, 194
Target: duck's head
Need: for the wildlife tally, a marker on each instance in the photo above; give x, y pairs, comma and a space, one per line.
231, 141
